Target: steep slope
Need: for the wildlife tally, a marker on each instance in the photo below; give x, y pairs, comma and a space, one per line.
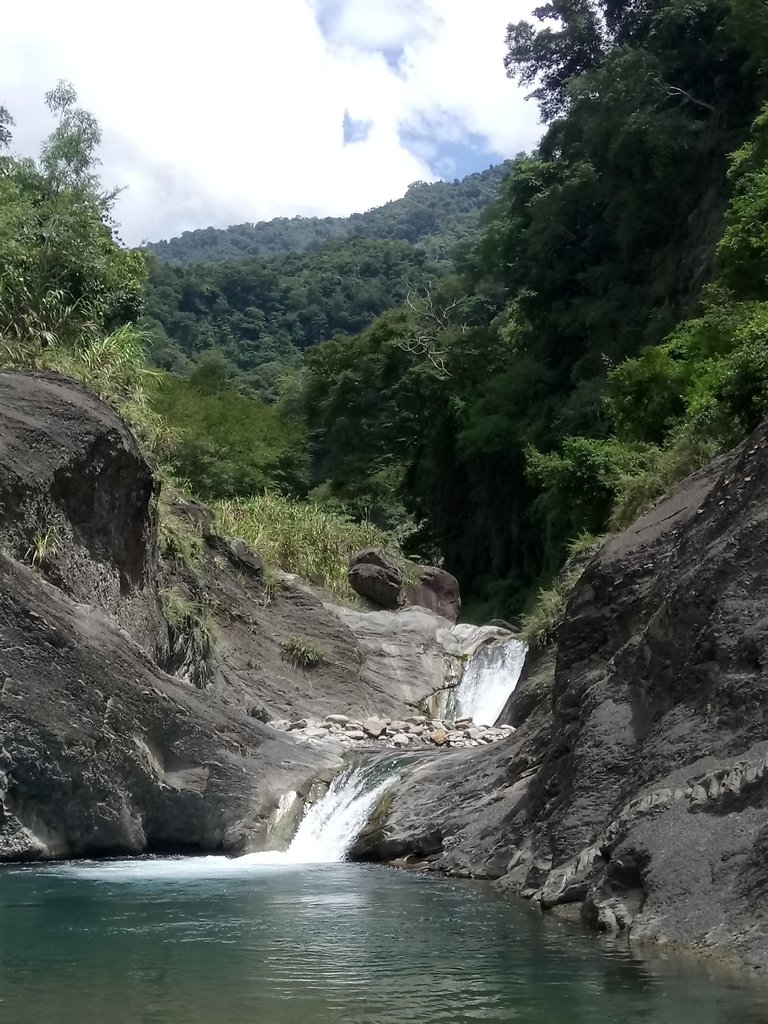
136, 691
638, 790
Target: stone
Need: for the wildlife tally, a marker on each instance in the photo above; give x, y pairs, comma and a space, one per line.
376, 576
315, 732
439, 737
375, 727
336, 719
355, 734
401, 740
437, 590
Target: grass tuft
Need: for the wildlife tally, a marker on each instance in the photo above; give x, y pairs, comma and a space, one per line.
303, 651
539, 626
186, 616
45, 548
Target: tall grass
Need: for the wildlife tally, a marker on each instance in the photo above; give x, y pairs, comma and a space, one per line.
113, 367
299, 537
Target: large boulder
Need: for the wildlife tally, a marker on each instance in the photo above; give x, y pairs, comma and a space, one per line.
376, 576
436, 590
102, 753
636, 785
75, 499
100, 749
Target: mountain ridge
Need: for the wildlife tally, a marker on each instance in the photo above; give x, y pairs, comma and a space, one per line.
434, 215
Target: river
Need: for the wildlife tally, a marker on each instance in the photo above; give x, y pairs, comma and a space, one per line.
211, 941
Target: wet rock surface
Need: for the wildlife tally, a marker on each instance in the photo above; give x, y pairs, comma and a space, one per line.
634, 787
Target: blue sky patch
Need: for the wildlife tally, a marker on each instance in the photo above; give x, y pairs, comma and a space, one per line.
355, 130
450, 158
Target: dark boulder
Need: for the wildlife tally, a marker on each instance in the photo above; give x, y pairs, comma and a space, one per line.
102, 753
437, 590
376, 576
75, 499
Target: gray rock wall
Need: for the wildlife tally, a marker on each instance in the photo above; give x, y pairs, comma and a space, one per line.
636, 789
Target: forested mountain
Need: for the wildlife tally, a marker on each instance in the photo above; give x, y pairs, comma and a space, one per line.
517, 425
434, 215
602, 334
258, 314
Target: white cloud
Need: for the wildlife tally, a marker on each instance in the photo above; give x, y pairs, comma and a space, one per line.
220, 113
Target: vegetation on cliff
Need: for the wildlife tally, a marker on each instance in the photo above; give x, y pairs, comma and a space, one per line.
604, 333
599, 340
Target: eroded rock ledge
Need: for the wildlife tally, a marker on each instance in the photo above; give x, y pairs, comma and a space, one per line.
635, 786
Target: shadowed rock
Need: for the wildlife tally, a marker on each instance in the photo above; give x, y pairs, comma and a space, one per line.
635, 787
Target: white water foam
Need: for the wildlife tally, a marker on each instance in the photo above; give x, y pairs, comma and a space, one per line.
490, 677
285, 804
327, 831
330, 827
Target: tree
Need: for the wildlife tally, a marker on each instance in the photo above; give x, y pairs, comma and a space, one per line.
65, 277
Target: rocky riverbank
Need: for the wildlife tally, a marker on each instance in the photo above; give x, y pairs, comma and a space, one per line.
344, 733
147, 702
633, 792
144, 663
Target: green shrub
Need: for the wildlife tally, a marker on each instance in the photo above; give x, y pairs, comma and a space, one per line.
186, 615
45, 547
303, 651
178, 538
299, 537
539, 626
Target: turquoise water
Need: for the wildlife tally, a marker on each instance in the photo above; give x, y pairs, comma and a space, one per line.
204, 941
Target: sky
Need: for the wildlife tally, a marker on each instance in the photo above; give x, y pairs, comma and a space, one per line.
216, 113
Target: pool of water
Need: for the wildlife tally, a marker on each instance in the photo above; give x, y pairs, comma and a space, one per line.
210, 941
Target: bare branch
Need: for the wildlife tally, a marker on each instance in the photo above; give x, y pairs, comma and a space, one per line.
674, 91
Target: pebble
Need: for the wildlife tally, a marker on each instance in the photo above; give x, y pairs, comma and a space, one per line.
418, 731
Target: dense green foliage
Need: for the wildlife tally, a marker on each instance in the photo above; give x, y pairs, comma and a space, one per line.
604, 333
63, 275
518, 424
259, 313
69, 292
226, 443
433, 215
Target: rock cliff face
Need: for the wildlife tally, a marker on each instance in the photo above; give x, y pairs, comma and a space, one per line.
122, 727
636, 787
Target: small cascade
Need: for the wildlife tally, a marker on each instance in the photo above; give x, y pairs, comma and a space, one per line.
284, 806
488, 680
330, 827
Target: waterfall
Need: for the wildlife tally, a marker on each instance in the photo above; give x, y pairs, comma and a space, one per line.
330, 827
489, 678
